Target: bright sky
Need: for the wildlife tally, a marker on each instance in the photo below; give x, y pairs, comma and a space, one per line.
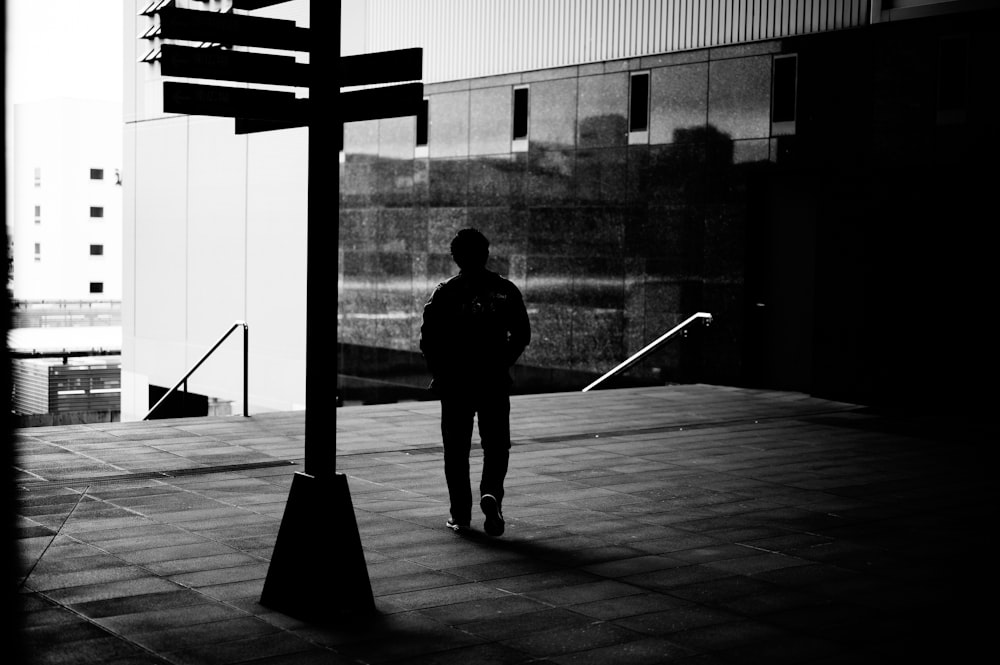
73, 48
64, 48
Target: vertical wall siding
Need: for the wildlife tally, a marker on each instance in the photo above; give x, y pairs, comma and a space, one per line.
470, 38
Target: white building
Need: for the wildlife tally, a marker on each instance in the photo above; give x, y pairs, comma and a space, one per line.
65, 202
214, 233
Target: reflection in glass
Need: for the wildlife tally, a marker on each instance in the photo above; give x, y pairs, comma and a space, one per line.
677, 99
552, 115
449, 180
396, 138
739, 100
610, 242
489, 121
602, 110
449, 124
361, 138
550, 176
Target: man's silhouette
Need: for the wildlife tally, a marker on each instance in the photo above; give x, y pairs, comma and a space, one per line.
475, 328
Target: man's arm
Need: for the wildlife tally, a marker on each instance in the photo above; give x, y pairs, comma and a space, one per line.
518, 327
430, 335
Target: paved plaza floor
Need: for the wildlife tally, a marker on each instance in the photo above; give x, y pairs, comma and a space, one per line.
680, 524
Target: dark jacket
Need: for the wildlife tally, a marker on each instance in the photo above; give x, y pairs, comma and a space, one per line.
475, 328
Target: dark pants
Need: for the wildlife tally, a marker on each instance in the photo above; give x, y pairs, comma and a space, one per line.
457, 414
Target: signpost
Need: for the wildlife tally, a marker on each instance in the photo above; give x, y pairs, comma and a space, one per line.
318, 570
225, 65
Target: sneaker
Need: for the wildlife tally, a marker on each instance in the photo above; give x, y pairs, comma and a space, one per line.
456, 526
494, 518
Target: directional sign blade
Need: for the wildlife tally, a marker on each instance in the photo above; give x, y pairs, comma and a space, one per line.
225, 65
388, 102
255, 4
193, 99
232, 29
250, 126
381, 67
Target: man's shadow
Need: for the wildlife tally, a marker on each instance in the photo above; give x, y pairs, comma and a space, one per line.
536, 549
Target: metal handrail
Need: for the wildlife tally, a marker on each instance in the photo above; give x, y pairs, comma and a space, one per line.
641, 353
246, 340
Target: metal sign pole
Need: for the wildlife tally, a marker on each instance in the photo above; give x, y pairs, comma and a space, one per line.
318, 570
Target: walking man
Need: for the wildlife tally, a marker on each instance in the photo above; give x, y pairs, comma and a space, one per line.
475, 327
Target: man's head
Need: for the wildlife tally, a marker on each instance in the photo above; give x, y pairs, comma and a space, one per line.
470, 249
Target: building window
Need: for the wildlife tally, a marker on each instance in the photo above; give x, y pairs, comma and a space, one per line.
38, 214
423, 122
423, 129
953, 59
97, 250
784, 94
97, 174
638, 102
96, 211
97, 287
38, 177
520, 114
519, 119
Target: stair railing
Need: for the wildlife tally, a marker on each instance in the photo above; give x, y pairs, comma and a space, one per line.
183, 381
652, 346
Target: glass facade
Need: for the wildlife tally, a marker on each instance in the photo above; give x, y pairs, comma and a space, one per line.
611, 243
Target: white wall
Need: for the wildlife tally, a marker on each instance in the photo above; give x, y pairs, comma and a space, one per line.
214, 232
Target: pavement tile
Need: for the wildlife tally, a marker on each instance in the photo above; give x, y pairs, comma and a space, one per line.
632, 565
493, 570
671, 578
675, 619
84, 578
242, 650
43, 617
172, 617
234, 524
642, 651
109, 649
571, 639
141, 540
139, 603
72, 631
766, 601
170, 637
138, 586
715, 591
480, 654
487, 609
200, 548
544, 580
203, 578
229, 591
790, 649
436, 596
627, 606
583, 593
427, 579
82, 527
513, 626
408, 645
730, 636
